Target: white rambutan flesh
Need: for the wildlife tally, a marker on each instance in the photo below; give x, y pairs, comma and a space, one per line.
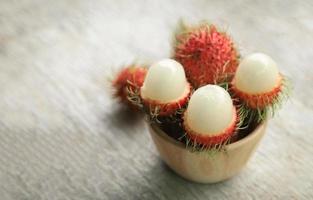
164, 82
257, 73
210, 110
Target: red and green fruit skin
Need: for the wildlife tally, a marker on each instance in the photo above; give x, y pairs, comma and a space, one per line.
258, 101
129, 79
212, 140
207, 55
167, 109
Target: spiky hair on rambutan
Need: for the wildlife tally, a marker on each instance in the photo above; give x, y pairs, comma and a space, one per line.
210, 120
207, 54
165, 90
127, 83
259, 87
259, 107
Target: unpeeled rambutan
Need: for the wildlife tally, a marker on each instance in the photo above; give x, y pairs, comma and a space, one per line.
207, 55
128, 82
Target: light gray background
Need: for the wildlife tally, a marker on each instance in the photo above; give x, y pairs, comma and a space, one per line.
61, 135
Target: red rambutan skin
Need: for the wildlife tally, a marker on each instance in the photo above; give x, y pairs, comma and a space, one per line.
166, 109
209, 140
207, 55
258, 101
129, 78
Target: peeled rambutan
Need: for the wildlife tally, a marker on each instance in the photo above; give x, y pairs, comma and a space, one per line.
165, 89
210, 119
128, 82
207, 55
257, 81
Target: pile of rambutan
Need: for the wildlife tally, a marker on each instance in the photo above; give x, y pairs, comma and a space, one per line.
205, 95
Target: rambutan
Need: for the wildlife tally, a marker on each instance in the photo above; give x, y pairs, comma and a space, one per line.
207, 55
128, 82
210, 119
165, 89
258, 83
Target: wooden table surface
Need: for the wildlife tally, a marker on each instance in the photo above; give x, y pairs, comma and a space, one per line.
62, 136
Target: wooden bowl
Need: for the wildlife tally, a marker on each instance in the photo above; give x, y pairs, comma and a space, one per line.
201, 167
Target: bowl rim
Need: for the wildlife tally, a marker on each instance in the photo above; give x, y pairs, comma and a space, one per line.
234, 145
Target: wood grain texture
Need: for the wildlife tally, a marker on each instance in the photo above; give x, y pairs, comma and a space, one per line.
61, 135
